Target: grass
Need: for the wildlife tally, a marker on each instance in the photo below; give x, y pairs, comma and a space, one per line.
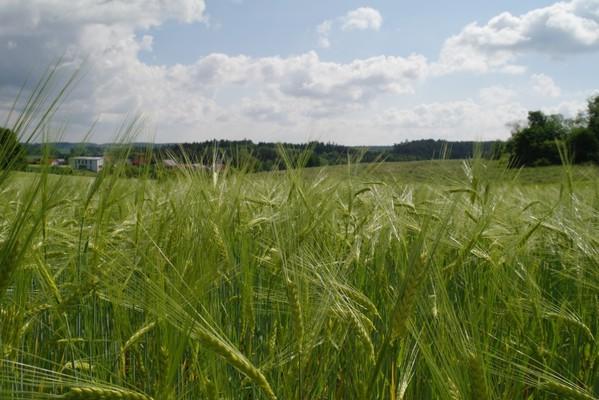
448, 172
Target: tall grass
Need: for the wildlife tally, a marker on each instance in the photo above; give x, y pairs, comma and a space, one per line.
336, 285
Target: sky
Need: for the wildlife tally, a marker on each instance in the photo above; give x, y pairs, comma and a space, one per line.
349, 72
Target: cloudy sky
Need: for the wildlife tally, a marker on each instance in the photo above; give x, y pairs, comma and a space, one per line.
351, 72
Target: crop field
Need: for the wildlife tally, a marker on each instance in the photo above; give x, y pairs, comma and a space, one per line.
436, 280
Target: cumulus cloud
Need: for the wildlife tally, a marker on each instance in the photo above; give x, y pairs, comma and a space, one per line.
453, 120
307, 76
105, 38
544, 85
485, 118
363, 18
37, 16
104, 32
357, 81
562, 28
264, 109
568, 109
323, 30
496, 95
303, 86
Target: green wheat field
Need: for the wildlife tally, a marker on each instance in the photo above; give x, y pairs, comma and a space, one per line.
345, 283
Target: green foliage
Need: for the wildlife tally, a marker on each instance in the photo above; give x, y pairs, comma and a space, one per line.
593, 115
538, 142
535, 144
12, 153
428, 149
584, 145
264, 156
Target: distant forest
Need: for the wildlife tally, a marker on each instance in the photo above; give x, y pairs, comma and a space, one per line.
264, 156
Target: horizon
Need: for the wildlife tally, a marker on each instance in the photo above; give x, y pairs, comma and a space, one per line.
359, 74
257, 142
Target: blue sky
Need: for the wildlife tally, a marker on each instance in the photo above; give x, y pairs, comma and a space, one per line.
352, 72
275, 27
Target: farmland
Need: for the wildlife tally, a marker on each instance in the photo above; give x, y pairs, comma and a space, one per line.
401, 281
278, 200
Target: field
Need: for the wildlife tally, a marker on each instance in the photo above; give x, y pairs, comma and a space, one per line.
426, 280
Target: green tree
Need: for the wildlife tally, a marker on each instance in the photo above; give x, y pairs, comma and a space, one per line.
12, 153
584, 145
535, 143
593, 116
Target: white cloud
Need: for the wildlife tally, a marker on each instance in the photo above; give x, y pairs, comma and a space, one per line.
568, 109
146, 43
357, 81
361, 19
544, 85
40, 15
49, 29
453, 120
307, 76
264, 109
496, 95
323, 30
102, 36
487, 118
562, 28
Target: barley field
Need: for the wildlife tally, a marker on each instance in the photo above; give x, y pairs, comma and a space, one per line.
341, 283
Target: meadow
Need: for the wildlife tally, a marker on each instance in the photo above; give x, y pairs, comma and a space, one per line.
427, 280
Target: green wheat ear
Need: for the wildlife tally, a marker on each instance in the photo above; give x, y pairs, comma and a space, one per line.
568, 391
8, 263
478, 386
98, 393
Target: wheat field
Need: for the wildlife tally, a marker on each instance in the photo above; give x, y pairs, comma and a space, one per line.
295, 285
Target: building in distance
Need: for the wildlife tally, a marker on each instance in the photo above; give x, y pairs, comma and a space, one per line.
94, 164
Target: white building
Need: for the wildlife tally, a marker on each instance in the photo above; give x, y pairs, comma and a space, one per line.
90, 163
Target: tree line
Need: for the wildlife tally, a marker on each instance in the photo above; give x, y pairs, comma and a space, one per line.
266, 156
546, 139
